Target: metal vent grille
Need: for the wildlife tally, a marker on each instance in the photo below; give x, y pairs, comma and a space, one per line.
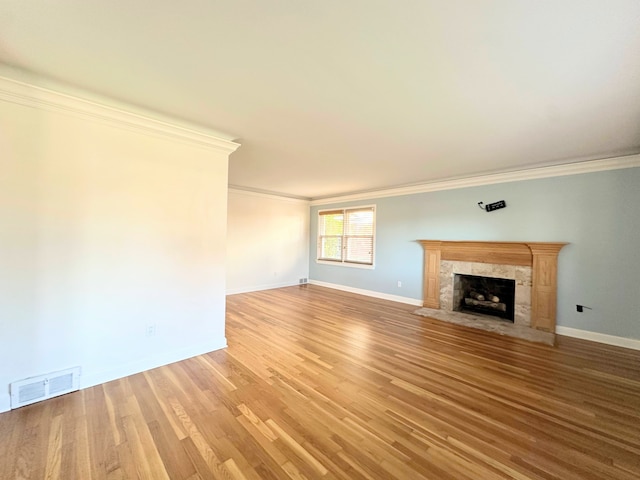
32, 391
36, 389
60, 384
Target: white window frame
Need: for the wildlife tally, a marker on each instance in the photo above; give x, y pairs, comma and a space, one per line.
345, 263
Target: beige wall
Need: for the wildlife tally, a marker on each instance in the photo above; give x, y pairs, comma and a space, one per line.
268, 241
105, 229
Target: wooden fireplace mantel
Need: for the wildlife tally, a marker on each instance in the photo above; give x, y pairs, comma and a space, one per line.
542, 257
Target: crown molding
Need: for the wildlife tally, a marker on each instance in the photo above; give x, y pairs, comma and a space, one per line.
273, 196
615, 163
22, 93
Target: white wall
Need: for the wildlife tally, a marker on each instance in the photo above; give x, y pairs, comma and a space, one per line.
268, 241
108, 223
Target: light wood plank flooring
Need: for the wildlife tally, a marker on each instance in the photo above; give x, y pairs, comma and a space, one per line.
318, 383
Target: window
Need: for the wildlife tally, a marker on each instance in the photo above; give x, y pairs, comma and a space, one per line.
346, 235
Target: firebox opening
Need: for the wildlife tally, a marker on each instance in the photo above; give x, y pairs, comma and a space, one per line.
485, 295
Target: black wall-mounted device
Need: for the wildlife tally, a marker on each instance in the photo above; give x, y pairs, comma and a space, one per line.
492, 206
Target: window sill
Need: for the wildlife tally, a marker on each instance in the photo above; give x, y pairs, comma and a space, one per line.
346, 264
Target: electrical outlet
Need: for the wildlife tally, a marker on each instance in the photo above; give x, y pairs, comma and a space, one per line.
151, 330
399, 284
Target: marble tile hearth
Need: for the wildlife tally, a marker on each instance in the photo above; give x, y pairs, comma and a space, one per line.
490, 324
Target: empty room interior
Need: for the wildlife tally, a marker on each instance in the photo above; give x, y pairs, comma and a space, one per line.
321, 240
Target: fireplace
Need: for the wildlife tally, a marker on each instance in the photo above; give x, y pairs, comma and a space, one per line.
519, 276
490, 296
528, 287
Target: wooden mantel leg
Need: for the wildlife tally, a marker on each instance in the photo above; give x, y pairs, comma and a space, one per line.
544, 290
432, 255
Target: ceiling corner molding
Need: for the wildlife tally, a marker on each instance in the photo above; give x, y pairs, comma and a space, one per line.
273, 196
22, 93
615, 163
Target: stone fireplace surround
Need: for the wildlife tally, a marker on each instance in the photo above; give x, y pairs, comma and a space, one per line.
533, 266
521, 276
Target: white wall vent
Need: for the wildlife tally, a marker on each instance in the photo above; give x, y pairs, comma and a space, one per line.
34, 389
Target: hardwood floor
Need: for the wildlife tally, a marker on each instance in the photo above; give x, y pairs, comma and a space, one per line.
318, 383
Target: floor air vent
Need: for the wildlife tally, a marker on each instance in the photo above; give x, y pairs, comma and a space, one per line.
35, 389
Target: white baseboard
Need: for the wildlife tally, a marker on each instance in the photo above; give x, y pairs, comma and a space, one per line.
257, 288
369, 293
104, 376
599, 337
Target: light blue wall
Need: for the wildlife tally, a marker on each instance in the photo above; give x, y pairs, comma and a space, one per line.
597, 213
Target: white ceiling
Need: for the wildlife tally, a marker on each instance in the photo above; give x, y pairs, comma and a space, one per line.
331, 97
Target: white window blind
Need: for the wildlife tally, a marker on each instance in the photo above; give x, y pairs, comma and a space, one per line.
346, 235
